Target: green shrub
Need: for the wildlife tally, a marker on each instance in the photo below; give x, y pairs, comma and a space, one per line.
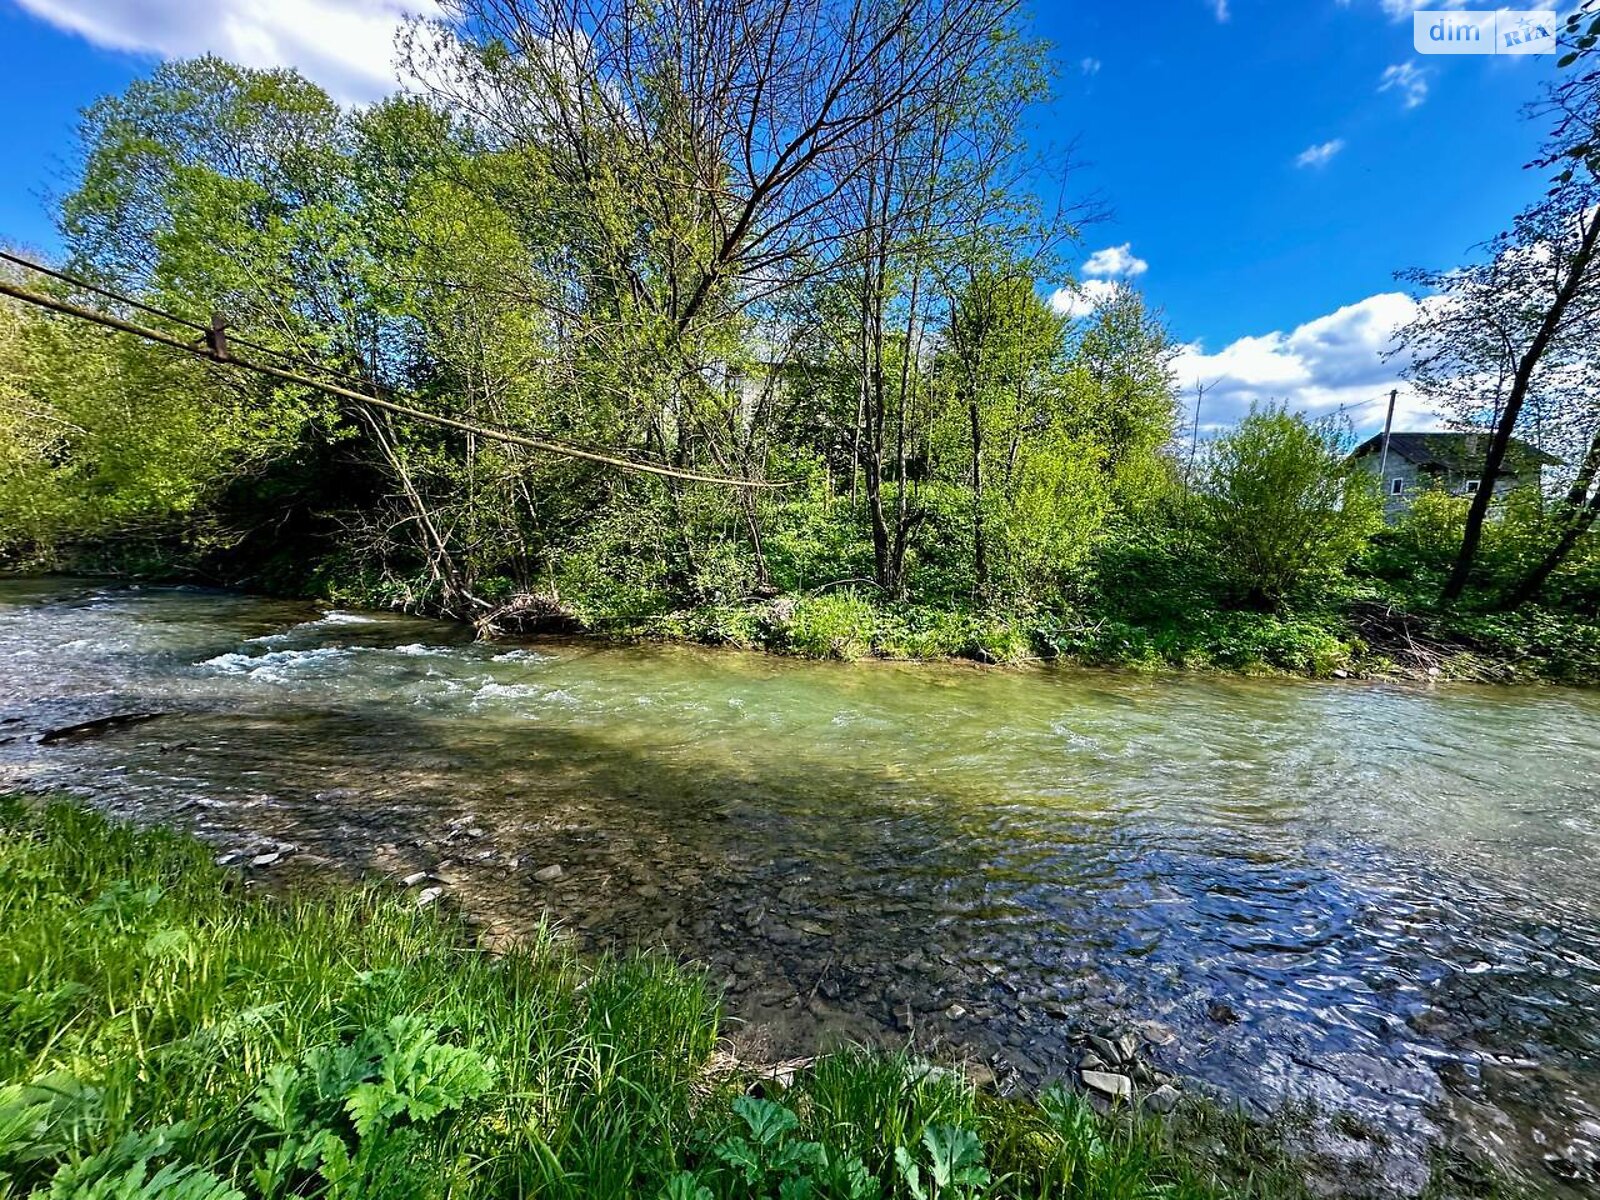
833, 625
1286, 505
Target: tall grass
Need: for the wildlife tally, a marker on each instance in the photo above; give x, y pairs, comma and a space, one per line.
165, 1033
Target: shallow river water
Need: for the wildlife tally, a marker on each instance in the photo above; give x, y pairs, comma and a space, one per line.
1382, 898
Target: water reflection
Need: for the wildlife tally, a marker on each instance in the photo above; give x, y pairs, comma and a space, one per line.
1378, 897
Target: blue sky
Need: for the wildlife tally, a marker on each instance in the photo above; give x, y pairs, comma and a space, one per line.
1263, 182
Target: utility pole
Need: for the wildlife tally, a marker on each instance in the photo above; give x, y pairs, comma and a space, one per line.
1194, 437
1383, 459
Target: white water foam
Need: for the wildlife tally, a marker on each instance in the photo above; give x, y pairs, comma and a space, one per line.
513, 656
276, 666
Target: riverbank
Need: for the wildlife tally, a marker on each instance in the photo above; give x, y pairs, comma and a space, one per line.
1370, 636
1248, 874
162, 1021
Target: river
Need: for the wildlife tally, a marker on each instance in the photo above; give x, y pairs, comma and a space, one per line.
1383, 898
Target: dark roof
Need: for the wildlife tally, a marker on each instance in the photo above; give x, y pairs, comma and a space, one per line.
1450, 450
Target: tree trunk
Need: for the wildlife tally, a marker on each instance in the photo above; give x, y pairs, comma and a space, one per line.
1473, 534
980, 556
1580, 510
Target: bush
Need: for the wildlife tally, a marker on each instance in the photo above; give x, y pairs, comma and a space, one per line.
1416, 552
833, 625
1286, 505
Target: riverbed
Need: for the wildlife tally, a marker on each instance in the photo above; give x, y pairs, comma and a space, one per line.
1382, 898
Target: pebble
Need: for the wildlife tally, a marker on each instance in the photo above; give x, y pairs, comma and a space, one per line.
414, 878
266, 860
428, 895
955, 1012
549, 874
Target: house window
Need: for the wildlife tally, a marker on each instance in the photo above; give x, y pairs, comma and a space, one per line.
1397, 487
1472, 487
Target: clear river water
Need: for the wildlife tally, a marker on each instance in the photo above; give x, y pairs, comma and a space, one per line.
1382, 898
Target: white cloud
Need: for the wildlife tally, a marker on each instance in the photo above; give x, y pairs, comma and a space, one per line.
347, 46
1220, 8
1090, 66
1319, 155
1409, 80
1115, 262
1332, 363
1080, 299
1101, 271
1398, 10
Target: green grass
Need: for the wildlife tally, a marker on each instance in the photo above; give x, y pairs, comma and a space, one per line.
166, 1034
1530, 646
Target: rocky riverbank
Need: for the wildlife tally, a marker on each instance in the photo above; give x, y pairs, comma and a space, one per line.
796, 983
1285, 891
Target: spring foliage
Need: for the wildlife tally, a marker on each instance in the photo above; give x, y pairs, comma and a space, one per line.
818, 258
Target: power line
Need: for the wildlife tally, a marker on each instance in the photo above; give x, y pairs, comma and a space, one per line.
215, 330
142, 306
210, 353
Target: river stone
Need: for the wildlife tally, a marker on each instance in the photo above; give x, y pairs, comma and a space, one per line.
1023, 1064
428, 895
1164, 1099
1221, 1012
1105, 1048
549, 874
1127, 1047
265, 860
1157, 1034
955, 1012
414, 878
1117, 1087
